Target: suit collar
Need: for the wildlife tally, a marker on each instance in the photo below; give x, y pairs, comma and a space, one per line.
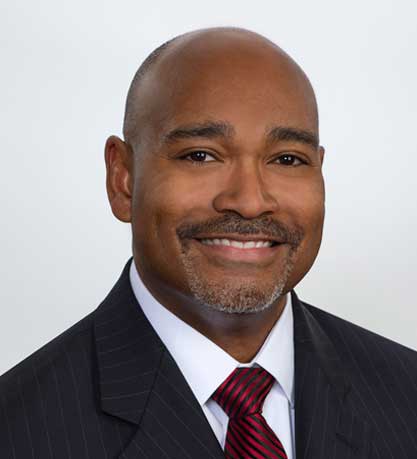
326, 423
309, 334
140, 383
128, 353
189, 347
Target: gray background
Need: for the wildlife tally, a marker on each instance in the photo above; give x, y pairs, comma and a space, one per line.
66, 67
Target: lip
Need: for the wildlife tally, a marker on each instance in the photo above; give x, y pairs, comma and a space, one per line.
235, 254
239, 237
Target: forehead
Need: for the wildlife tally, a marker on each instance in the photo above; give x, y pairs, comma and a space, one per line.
250, 85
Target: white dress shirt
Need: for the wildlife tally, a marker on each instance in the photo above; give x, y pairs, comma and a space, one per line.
205, 365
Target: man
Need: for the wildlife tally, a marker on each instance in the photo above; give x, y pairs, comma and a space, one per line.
202, 349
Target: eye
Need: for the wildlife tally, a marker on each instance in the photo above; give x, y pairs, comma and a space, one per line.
198, 156
290, 160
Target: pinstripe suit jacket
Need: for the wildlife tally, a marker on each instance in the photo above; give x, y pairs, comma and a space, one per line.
108, 388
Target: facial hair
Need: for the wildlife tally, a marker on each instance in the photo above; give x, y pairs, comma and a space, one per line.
239, 297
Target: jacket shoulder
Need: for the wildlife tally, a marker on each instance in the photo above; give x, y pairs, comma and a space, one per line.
382, 373
40, 369
351, 338
36, 391
379, 376
48, 353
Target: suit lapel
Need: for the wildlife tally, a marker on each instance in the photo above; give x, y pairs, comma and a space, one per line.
325, 421
141, 384
173, 425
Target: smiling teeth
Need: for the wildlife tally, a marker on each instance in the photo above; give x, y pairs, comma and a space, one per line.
237, 244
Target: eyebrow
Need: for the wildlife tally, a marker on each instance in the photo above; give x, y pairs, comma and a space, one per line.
207, 130
280, 133
222, 129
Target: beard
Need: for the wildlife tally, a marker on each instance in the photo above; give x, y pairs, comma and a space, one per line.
236, 296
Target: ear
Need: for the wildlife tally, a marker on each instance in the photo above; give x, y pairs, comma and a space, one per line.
119, 177
321, 153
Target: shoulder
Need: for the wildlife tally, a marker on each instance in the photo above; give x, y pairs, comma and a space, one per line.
64, 351
36, 392
352, 339
378, 368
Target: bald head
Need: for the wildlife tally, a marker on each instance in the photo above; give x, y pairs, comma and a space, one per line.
236, 53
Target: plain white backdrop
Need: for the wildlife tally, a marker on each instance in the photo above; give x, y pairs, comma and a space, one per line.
65, 71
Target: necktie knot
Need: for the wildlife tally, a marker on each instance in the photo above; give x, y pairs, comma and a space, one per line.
244, 391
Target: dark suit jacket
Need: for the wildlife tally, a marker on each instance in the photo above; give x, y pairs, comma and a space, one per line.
108, 388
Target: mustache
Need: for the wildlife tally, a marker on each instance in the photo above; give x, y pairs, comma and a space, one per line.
233, 223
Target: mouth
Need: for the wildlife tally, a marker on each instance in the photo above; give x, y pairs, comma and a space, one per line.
248, 249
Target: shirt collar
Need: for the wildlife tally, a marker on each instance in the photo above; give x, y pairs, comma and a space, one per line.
204, 364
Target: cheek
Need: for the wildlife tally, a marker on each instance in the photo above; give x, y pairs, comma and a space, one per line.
308, 210
302, 199
162, 202
311, 215
301, 204
174, 197
316, 209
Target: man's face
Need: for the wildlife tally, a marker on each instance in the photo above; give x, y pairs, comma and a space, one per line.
228, 160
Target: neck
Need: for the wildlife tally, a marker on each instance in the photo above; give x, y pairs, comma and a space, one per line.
240, 335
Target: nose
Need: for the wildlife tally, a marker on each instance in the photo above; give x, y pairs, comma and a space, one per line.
246, 193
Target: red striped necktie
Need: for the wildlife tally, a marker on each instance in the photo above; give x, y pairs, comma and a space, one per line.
241, 396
